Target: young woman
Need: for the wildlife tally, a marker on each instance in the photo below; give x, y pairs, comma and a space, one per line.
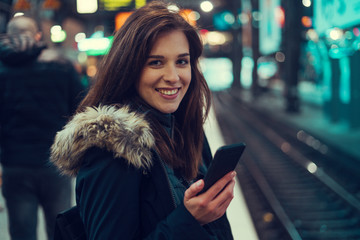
137, 144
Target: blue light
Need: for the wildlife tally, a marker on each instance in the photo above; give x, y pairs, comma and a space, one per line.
344, 90
217, 72
224, 20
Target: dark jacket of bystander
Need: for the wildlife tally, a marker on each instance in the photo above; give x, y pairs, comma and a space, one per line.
36, 98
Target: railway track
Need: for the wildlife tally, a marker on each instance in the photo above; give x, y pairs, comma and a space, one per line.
293, 190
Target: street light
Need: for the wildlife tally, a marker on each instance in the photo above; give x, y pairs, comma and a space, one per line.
306, 3
86, 6
206, 6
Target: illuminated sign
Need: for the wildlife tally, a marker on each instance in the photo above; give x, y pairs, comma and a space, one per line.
270, 26
95, 46
114, 5
336, 13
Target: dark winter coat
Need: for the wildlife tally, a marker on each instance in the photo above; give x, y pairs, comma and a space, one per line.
122, 188
36, 99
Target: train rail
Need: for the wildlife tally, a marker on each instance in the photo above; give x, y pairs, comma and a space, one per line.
293, 189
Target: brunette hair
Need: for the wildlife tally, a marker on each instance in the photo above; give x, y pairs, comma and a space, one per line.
121, 68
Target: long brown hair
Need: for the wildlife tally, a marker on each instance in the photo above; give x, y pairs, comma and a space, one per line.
121, 68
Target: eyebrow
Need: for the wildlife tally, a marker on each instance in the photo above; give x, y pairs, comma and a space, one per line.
161, 57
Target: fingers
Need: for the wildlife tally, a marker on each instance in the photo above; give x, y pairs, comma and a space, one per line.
220, 184
211, 204
194, 189
227, 195
222, 200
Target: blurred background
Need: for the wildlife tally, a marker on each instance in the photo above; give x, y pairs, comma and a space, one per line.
292, 64
311, 56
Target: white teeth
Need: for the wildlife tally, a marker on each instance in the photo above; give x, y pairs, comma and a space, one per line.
168, 92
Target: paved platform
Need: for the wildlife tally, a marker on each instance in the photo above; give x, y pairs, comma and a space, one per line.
238, 214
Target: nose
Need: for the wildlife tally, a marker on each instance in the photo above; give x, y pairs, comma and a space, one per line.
171, 73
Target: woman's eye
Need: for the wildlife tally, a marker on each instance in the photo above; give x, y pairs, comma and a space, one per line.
155, 63
183, 61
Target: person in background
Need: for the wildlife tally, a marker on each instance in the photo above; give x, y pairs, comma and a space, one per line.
36, 97
136, 143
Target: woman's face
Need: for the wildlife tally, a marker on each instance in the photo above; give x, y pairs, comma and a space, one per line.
166, 75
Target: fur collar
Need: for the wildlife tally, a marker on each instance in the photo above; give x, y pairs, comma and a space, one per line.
126, 134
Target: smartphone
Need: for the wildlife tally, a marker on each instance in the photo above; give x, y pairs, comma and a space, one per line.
225, 160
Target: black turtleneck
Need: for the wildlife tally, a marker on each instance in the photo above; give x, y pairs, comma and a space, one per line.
177, 183
165, 119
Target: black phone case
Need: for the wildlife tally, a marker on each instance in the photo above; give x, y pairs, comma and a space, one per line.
225, 160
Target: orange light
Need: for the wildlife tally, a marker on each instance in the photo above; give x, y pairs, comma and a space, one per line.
188, 15
120, 19
51, 4
22, 5
306, 21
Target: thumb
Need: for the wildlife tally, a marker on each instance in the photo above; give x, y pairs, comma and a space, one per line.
194, 189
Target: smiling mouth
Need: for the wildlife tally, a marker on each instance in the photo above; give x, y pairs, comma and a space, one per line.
168, 92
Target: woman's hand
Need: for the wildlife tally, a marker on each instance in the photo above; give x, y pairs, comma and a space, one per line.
212, 204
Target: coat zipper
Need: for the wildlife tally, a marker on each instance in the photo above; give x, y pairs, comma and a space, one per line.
169, 184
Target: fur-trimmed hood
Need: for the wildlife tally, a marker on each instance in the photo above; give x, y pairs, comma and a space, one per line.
127, 134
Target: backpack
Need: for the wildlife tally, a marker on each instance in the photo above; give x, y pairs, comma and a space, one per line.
69, 226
